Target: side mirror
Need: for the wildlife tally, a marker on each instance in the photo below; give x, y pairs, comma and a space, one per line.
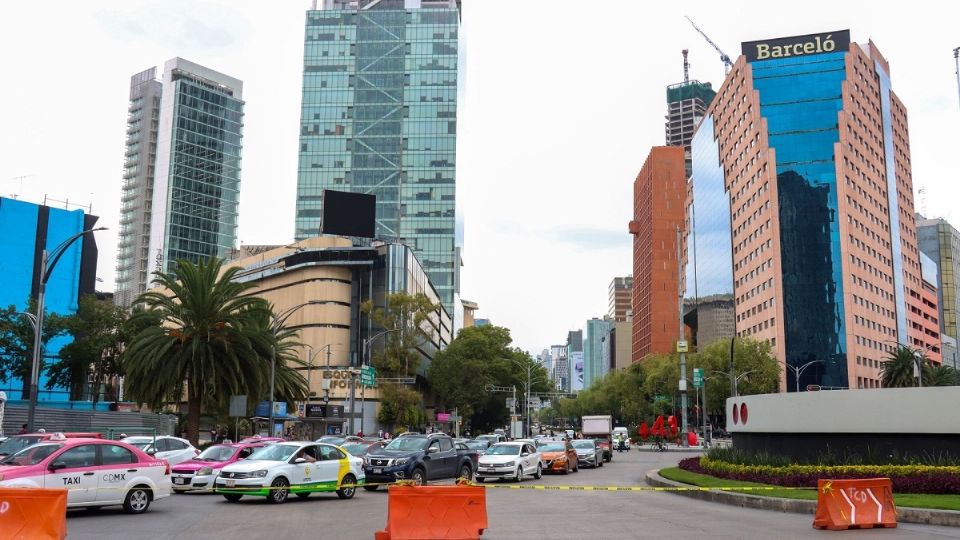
525, 454
151, 452
57, 465
300, 460
433, 450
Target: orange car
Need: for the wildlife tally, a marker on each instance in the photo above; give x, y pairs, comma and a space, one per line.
559, 456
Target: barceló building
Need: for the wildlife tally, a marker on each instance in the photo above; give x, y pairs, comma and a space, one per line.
802, 209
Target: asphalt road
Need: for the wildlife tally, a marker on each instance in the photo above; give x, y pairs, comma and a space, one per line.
512, 513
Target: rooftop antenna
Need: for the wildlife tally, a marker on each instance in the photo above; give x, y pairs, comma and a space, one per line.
686, 67
19, 192
923, 201
727, 63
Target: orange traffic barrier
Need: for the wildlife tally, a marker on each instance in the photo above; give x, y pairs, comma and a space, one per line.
435, 512
855, 504
33, 513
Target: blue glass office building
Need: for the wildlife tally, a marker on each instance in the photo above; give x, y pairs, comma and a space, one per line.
379, 116
804, 152
26, 229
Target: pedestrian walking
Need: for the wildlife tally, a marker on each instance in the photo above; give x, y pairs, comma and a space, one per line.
23, 430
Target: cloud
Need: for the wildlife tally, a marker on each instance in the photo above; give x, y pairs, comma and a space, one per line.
178, 25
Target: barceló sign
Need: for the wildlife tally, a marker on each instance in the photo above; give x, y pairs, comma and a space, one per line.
807, 45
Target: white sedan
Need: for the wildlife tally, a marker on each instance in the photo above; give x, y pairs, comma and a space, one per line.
300, 468
510, 460
173, 449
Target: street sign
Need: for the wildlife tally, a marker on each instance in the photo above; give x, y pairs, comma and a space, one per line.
697, 378
533, 402
682, 346
238, 406
368, 375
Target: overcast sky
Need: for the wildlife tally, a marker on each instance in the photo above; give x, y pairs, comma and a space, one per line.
562, 101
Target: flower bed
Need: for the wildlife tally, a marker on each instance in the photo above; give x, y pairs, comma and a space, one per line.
905, 478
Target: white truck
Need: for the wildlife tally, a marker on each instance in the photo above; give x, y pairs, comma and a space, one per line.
599, 427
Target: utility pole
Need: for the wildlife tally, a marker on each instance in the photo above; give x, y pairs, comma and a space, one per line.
683, 354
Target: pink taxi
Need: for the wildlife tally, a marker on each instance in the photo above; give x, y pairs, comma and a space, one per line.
199, 472
95, 472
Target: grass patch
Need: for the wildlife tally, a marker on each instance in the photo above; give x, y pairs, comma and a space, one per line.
911, 500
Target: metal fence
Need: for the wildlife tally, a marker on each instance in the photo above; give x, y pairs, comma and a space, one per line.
75, 420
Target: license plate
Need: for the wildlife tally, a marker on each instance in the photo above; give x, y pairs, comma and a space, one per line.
231, 483
179, 480
377, 470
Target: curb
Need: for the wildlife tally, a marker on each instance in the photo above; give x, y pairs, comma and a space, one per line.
924, 516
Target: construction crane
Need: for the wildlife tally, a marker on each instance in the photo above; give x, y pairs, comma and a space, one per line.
956, 60
686, 67
727, 63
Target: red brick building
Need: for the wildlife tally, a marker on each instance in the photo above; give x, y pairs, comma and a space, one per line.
659, 196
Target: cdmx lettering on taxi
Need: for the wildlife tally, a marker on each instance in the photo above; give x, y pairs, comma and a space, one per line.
765, 50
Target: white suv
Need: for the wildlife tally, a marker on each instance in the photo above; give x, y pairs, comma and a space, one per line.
300, 468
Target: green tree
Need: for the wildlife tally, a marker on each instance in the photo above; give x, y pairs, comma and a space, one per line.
94, 354
400, 407
16, 343
481, 356
407, 317
897, 371
213, 341
941, 376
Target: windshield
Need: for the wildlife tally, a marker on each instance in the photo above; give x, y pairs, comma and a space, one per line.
216, 453
584, 444
505, 450
553, 447
17, 443
277, 452
476, 445
356, 449
407, 443
31, 455
332, 440
488, 437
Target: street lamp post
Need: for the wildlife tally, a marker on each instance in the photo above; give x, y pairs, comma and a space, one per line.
736, 380
275, 327
526, 394
366, 361
797, 371
48, 261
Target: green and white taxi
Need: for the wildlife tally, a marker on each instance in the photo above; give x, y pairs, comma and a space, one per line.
300, 468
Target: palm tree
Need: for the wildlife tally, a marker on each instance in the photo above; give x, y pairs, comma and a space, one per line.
941, 376
898, 370
211, 342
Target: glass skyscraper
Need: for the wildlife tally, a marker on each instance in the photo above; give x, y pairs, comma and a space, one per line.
182, 176
379, 116
804, 153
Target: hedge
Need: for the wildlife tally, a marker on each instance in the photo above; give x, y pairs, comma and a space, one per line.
905, 478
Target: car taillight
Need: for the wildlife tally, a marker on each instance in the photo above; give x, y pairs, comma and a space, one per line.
167, 472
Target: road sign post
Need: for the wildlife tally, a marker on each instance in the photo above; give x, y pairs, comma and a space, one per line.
697, 377
368, 376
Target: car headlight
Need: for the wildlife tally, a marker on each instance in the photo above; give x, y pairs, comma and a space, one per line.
508, 464
366, 460
401, 461
561, 459
205, 471
259, 474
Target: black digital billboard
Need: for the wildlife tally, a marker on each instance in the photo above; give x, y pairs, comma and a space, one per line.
348, 214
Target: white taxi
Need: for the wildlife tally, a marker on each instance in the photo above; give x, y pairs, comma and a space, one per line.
95, 472
300, 468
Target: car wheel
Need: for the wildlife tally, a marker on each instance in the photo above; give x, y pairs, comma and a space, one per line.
370, 488
418, 477
519, 477
466, 472
480, 479
349, 484
137, 500
279, 490
566, 470
232, 497
539, 474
